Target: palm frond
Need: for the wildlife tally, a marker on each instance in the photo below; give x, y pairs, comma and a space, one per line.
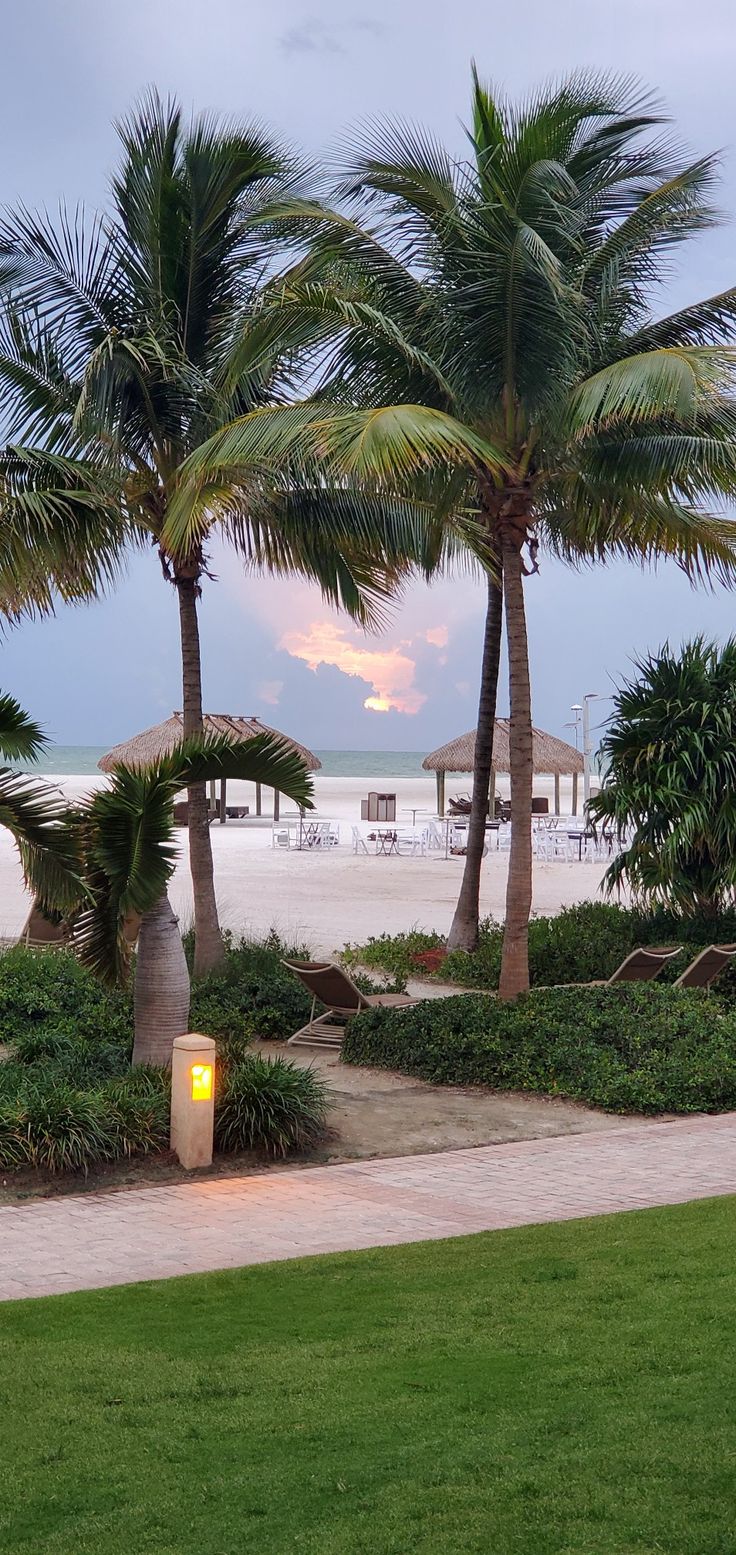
383, 446
678, 381
21, 738
36, 817
125, 834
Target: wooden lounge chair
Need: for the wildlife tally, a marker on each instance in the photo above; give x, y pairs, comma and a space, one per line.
706, 967
332, 987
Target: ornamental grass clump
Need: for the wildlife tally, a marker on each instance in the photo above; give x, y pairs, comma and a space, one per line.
270, 1105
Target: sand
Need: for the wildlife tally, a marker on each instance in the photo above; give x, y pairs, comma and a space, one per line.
325, 899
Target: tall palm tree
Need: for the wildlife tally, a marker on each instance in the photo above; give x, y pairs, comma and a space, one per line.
513, 291
127, 342
669, 751
105, 865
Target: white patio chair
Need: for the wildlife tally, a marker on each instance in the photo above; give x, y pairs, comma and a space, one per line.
359, 843
280, 837
435, 837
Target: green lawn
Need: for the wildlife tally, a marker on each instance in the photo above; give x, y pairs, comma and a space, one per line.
566, 1389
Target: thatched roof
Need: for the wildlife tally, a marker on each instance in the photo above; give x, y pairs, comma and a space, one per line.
163, 738
549, 753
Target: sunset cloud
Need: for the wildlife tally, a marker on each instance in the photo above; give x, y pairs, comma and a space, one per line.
389, 671
270, 691
438, 636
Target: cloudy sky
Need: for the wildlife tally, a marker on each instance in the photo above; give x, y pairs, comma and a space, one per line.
96, 674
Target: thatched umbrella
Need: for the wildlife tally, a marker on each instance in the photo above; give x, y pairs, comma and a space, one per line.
549, 755
151, 744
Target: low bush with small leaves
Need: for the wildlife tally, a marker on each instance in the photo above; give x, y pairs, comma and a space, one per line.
578, 945
253, 994
392, 953
45, 992
645, 1049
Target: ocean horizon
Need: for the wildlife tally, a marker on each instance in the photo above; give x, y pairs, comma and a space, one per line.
82, 761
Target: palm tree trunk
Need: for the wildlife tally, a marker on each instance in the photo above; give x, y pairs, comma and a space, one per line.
161, 995
464, 931
514, 978
209, 950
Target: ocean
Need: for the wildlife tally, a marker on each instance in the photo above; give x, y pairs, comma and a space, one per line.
81, 761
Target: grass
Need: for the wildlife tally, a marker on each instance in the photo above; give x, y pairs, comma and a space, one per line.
566, 1389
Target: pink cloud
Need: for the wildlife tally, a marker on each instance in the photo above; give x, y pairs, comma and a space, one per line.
438, 636
389, 671
270, 691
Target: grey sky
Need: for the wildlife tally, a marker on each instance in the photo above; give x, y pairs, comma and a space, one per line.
311, 71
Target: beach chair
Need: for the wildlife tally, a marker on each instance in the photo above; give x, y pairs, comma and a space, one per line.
706, 967
359, 843
640, 966
330, 986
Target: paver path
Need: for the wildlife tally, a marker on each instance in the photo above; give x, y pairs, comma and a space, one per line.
77, 1243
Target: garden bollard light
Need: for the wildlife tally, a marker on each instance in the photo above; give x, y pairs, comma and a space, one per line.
193, 1100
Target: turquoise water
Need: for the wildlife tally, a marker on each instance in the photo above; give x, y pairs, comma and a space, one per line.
81, 761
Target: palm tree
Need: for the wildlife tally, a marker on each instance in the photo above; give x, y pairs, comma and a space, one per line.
129, 341
65, 546
670, 776
513, 292
118, 856
29, 810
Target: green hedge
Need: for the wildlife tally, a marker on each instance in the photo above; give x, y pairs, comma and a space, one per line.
629, 1049
49, 992
577, 945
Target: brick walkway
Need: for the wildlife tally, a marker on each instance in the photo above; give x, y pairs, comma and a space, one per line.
77, 1243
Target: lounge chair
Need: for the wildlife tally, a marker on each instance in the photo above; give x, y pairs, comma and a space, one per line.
640, 966
706, 967
332, 987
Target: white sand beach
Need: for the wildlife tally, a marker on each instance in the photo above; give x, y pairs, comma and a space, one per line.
327, 898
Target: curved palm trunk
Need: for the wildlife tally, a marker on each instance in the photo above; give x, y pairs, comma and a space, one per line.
209, 950
161, 995
514, 978
464, 931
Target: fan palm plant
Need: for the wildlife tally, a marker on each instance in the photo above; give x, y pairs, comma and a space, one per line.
513, 292
117, 856
129, 341
669, 754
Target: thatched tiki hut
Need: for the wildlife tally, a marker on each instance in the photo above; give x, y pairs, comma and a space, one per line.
550, 755
151, 744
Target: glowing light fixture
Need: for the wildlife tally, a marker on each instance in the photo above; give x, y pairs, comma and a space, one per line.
201, 1082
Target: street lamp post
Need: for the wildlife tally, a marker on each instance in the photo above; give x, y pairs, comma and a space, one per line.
589, 697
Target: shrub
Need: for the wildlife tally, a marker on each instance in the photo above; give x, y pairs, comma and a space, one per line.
139, 1109
83, 1062
393, 953
253, 994
65, 1130
645, 1049
577, 945
49, 1123
271, 1105
50, 991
